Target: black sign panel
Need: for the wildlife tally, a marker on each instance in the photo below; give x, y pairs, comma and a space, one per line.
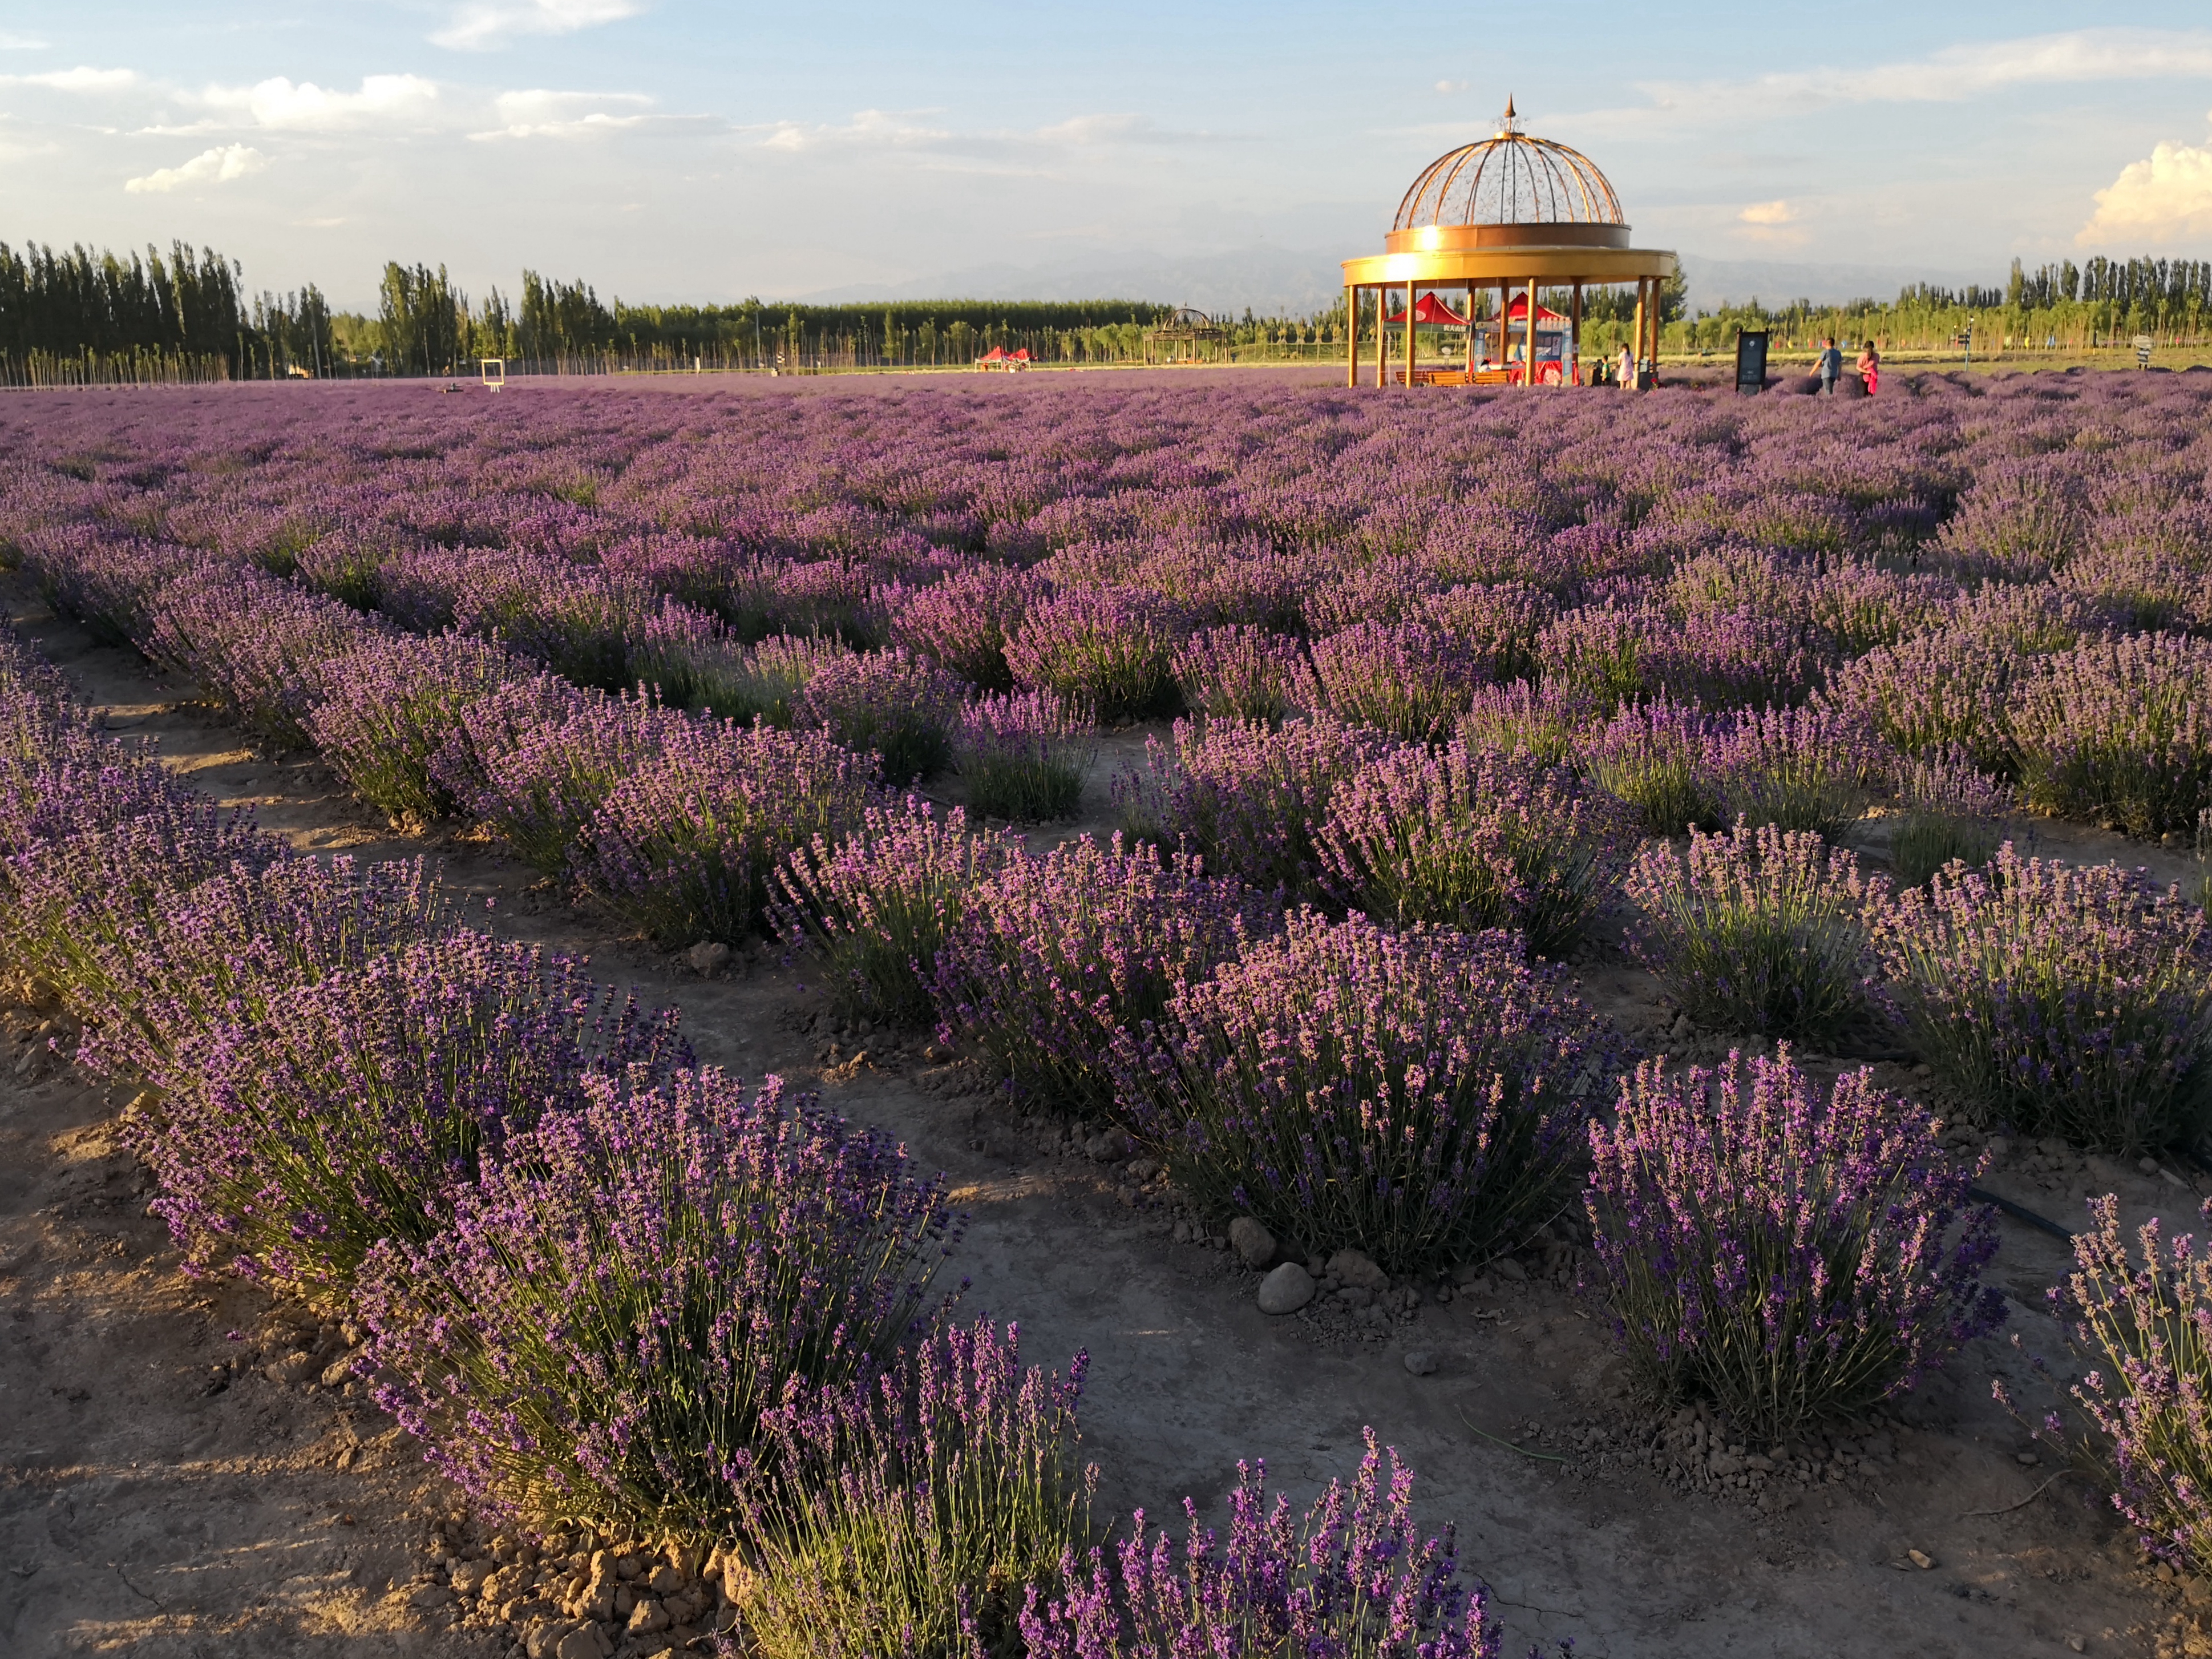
1751, 362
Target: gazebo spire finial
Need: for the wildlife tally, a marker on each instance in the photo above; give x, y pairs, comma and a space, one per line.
1509, 122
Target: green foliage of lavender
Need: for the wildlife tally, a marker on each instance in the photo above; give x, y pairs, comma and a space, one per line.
1023, 756
911, 1510
1791, 1254
2068, 1000
1757, 930
1417, 1094
877, 905
1476, 839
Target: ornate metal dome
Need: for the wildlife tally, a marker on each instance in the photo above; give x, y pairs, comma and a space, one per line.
1509, 191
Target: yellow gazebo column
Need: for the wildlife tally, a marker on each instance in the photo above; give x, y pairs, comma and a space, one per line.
1469, 304
1638, 370
1412, 344
1572, 374
1528, 338
1382, 336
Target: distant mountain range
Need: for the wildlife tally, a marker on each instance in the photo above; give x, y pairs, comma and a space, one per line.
1272, 281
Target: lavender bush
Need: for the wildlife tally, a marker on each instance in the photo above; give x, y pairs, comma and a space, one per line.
910, 1511
962, 622
879, 904
1792, 1254
888, 702
686, 847
2119, 730
1415, 1095
1949, 812
1246, 796
384, 712
616, 1302
1757, 930
1796, 768
1476, 839
1657, 757
2070, 999
1109, 649
1245, 673
351, 1110
1023, 756
1058, 955
1410, 681
1354, 1579
2146, 1322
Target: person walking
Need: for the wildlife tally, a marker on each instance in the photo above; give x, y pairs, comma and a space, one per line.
1832, 365
1869, 366
1624, 370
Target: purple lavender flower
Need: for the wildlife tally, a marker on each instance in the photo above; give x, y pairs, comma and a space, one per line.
1355, 1577
962, 622
624, 1290
1415, 1095
1788, 1257
2118, 731
1757, 930
1477, 839
352, 1108
2072, 999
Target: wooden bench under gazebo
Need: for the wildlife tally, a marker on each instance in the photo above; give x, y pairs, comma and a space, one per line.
1509, 213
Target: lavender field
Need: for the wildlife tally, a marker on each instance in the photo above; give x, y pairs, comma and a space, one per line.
1228, 940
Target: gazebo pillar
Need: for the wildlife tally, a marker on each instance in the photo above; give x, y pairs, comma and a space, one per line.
1528, 337
1638, 370
1573, 375
1410, 343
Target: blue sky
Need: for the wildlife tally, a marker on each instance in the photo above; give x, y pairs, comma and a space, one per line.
664, 149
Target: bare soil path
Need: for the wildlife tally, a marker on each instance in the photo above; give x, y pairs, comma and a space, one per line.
160, 1494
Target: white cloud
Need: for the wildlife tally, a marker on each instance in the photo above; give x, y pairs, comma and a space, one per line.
80, 79
1451, 86
1954, 74
1768, 213
210, 166
2162, 199
543, 114
486, 23
9, 42
870, 126
279, 105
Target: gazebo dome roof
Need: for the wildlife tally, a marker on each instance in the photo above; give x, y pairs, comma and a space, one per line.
1509, 191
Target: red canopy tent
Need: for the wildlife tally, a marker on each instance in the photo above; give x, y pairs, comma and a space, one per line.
999, 357
1431, 310
1546, 317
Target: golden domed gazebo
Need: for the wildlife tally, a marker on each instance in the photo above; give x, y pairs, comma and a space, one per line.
1511, 211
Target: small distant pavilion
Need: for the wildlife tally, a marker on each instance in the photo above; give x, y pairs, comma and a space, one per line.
1509, 212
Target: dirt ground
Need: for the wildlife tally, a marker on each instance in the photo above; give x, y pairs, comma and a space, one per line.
160, 1493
